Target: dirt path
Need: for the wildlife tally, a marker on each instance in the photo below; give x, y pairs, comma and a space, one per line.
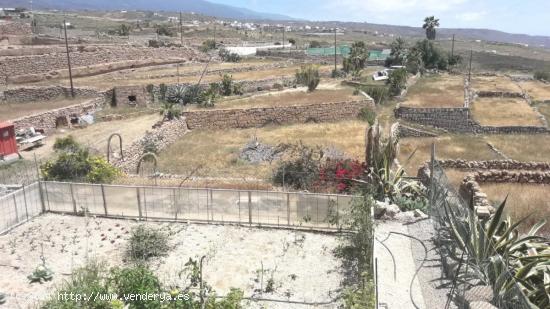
95, 136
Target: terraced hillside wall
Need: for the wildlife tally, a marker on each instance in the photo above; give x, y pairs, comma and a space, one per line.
34, 94
258, 117
48, 120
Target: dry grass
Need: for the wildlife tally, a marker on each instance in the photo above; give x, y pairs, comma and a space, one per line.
217, 151
437, 91
523, 147
467, 147
504, 112
494, 83
544, 109
523, 200
10, 111
290, 97
539, 91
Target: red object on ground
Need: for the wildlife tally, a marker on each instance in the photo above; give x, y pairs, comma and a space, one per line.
8, 145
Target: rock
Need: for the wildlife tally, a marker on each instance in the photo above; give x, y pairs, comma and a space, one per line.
419, 214
385, 210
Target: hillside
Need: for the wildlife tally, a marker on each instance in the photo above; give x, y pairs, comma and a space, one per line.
198, 6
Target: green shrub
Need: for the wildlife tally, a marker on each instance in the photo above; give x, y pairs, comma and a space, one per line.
380, 94
208, 45
136, 280
145, 243
162, 91
367, 114
68, 144
164, 30
88, 280
227, 56
300, 169
308, 75
542, 75
79, 166
227, 85
410, 203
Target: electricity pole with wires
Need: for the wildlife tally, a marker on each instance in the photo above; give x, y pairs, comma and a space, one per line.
68, 57
284, 30
470, 70
181, 29
453, 47
335, 58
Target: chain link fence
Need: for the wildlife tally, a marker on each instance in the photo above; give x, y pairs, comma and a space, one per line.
474, 279
19, 207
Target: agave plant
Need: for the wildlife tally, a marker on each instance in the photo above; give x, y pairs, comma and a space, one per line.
517, 266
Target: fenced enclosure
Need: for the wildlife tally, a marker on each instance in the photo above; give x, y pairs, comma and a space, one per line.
19, 206
246, 207
476, 274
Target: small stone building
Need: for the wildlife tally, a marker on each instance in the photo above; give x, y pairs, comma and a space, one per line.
130, 96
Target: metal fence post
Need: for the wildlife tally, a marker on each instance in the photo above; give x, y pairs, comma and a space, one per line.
288, 208
138, 203
249, 207
212, 205
25, 201
72, 197
239, 204
16, 210
104, 200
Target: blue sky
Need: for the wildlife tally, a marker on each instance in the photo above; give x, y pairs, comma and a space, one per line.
515, 16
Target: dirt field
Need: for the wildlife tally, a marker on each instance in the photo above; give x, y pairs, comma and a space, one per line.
504, 112
233, 257
494, 83
523, 200
539, 91
10, 111
523, 147
217, 151
290, 97
467, 147
437, 91
95, 136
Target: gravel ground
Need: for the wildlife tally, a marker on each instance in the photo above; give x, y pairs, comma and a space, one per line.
434, 287
302, 264
394, 282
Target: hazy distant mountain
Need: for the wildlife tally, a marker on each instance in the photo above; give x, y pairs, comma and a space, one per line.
198, 6
476, 34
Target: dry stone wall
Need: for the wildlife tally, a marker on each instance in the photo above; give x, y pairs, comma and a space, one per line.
54, 63
49, 120
258, 117
406, 131
14, 28
451, 119
495, 165
32, 94
160, 137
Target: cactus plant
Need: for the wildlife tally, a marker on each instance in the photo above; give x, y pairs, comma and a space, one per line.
40, 274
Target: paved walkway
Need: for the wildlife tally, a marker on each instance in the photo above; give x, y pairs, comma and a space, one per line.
428, 289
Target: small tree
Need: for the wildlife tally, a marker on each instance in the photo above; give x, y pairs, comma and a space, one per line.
308, 75
124, 30
227, 85
357, 59
164, 30
208, 45
542, 75
227, 56
398, 52
397, 81
430, 23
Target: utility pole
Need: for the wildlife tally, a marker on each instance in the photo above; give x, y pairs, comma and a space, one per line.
215, 30
453, 47
470, 70
178, 69
68, 57
335, 58
284, 30
181, 30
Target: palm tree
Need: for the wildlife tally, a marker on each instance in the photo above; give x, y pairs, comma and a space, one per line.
430, 23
